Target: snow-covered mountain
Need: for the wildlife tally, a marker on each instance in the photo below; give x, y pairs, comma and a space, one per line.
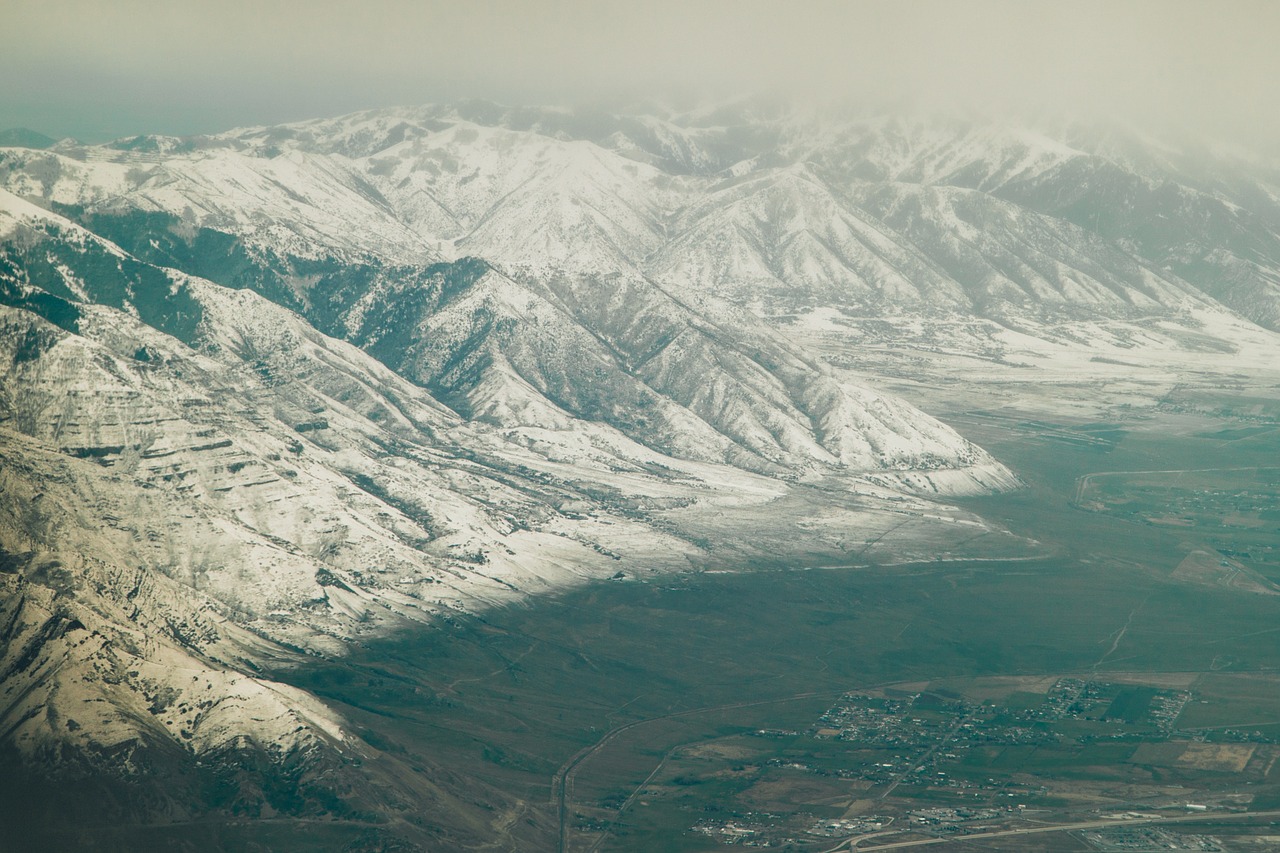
268, 392
752, 204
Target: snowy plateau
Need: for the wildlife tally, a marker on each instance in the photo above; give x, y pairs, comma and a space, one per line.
274, 392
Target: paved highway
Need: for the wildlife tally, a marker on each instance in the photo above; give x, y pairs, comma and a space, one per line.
1198, 817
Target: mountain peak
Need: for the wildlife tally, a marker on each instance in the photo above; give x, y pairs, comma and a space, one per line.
21, 137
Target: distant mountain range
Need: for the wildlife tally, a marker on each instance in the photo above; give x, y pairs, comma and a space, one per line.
21, 137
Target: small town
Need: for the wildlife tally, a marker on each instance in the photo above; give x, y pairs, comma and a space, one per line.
912, 755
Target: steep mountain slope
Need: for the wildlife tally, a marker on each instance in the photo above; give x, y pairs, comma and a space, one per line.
564, 221
1190, 212
1010, 260
199, 488
716, 387
782, 238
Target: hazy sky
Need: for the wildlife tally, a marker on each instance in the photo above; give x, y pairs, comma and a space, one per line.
104, 69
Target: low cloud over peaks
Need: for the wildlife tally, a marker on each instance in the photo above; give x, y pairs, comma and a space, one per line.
101, 69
